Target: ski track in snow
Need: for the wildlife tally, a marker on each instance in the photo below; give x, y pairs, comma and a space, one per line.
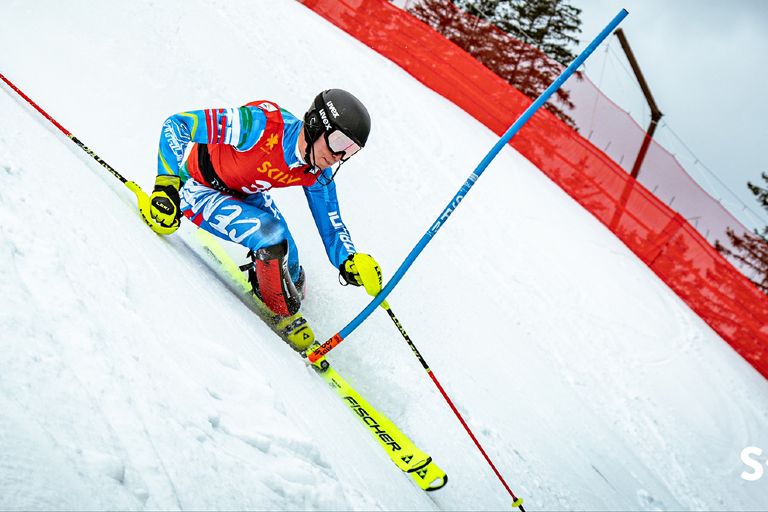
131, 378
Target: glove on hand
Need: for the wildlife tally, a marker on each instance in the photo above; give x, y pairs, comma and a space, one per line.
362, 270
164, 201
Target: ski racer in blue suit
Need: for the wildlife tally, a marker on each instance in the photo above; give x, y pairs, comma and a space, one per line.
217, 166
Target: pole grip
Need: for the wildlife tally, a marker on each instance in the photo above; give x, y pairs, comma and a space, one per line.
144, 209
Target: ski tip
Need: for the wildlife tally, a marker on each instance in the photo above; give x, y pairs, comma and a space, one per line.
429, 476
437, 483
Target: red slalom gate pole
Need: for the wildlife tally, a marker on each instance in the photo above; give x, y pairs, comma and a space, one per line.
40, 110
141, 196
516, 502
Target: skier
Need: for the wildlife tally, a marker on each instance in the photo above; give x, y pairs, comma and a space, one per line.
216, 167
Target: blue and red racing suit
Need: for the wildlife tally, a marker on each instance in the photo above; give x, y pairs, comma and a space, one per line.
228, 160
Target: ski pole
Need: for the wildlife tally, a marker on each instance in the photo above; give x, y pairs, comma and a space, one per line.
337, 338
141, 197
516, 502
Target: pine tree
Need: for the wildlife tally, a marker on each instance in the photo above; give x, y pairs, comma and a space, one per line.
751, 249
438, 14
550, 26
526, 42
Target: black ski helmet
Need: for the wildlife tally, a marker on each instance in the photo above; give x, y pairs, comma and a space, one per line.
336, 109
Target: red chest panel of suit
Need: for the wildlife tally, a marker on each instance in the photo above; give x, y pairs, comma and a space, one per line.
260, 168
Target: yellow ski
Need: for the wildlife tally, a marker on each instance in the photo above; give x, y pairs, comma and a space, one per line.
401, 450
398, 447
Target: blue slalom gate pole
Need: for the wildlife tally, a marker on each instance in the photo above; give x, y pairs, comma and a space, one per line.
464, 190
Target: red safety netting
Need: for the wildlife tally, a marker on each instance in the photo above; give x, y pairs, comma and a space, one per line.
584, 107
660, 236
614, 132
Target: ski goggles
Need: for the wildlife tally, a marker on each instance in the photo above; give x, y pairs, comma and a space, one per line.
340, 144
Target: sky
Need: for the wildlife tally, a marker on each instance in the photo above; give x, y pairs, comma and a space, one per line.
704, 62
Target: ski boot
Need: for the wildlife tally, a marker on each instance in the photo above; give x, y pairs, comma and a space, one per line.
295, 331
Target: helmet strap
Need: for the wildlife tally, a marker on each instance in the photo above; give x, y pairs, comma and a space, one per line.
309, 153
327, 181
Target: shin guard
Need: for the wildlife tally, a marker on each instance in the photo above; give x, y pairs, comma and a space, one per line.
276, 288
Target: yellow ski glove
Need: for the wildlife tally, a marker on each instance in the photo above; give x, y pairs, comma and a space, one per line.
164, 201
362, 270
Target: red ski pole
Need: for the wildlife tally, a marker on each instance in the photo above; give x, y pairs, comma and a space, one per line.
516, 502
141, 196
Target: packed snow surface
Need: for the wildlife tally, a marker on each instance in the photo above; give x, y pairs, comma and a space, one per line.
132, 378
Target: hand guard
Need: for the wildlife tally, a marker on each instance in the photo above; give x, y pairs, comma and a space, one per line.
164, 201
362, 270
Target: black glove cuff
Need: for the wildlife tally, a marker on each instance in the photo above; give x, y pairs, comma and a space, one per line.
347, 276
171, 192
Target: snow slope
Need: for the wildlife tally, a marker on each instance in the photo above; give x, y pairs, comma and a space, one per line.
131, 378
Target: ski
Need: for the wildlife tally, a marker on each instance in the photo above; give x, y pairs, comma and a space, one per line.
400, 449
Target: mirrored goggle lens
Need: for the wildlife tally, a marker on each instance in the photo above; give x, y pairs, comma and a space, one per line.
339, 142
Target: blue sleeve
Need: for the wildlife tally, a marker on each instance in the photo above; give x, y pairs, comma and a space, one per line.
325, 210
239, 127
